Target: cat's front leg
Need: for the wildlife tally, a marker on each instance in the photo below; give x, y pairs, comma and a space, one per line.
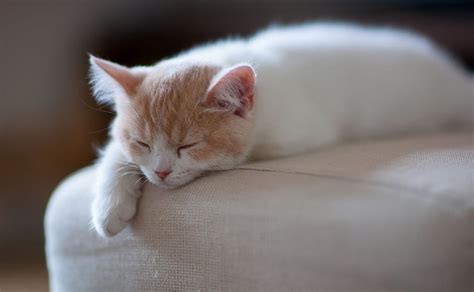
117, 191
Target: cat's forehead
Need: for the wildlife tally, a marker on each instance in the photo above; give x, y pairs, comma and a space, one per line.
175, 80
167, 102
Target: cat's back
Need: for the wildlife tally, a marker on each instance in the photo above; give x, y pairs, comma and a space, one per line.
332, 35
280, 45
332, 41
319, 83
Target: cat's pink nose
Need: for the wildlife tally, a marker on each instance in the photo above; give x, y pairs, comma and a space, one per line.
162, 174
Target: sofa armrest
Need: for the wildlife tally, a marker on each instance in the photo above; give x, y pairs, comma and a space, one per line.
348, 218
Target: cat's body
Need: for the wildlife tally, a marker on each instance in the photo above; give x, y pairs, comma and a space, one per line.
319, 84
315, 85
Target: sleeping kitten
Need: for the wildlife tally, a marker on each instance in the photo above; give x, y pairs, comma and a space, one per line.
284, 91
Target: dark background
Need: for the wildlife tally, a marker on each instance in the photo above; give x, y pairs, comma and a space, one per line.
49, 123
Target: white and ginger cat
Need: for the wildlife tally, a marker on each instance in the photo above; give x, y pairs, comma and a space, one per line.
284, 91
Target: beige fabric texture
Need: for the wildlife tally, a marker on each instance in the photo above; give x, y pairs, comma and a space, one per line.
386, 215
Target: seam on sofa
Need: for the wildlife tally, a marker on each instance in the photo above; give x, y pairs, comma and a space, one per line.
388, 185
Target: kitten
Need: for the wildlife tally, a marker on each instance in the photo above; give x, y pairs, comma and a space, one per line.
317, 84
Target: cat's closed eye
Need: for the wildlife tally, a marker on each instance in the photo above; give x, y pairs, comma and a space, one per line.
184, 147
143, 144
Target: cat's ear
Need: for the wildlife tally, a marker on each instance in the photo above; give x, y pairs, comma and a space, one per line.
232, 90
110, 80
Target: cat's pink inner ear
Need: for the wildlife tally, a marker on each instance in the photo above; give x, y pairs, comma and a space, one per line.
124, 76
233, 90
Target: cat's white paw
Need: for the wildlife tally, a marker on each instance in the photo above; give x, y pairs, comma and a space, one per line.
112, 213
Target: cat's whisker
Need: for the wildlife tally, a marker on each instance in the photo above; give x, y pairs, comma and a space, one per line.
131, 166
128, 170
122, 168
99, 131
95, 108
142, 180
130, 173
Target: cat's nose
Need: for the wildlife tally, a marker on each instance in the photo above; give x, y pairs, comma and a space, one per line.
163, 174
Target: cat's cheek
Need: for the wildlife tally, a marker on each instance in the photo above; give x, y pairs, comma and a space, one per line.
126, 152
135, 153
133, 149
189, 157
201, 154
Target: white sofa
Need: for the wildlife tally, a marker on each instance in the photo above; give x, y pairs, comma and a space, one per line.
386, 215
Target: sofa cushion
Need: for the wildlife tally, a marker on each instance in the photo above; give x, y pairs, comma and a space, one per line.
386, 215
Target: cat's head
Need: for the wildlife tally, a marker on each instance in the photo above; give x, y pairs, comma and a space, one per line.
176, 120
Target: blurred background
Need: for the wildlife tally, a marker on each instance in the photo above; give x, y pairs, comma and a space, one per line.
50, 124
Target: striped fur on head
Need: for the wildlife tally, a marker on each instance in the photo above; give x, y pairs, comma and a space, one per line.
173, 105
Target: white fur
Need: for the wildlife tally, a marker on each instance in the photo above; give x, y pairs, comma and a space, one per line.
317, 84
321, 83
117, 191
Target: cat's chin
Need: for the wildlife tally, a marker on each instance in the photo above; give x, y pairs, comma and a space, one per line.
168, 185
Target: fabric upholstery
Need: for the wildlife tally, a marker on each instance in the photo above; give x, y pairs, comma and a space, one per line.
386, 215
